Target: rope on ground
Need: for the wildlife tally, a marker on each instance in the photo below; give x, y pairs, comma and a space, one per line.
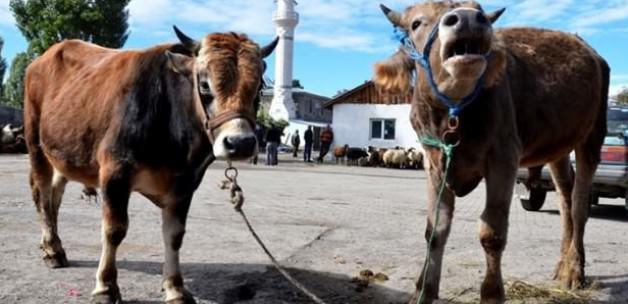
237, 199
448, 151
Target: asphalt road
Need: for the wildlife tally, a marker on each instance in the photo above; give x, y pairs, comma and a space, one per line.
327, 223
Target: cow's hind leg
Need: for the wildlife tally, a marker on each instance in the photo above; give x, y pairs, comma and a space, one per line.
494, 229
47, 187
433, 265
173, 228
571, 269
115, 182
563, 177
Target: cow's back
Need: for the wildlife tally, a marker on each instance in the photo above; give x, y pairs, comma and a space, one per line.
558, 83
70, 98
52, 70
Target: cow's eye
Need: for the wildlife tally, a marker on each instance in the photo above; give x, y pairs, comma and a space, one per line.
416, 24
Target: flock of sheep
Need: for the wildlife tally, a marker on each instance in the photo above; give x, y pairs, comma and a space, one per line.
12, 139
410, 158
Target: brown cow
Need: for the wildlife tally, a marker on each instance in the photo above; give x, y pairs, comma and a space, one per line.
541, 94
149, 121
340, 153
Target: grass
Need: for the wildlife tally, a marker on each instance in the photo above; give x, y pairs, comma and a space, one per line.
519, 292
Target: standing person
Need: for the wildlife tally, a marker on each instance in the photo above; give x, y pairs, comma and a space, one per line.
296, 142
327, 136
273, 138
308, 137
259, 135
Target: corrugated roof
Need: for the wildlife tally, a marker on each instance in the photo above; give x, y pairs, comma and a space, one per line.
367, 93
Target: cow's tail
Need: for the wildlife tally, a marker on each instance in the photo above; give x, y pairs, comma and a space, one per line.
596, 138
40, 166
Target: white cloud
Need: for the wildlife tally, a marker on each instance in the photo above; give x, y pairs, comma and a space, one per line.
540, 10
619, 82
354, 25
337, 24
6, 17
615, 89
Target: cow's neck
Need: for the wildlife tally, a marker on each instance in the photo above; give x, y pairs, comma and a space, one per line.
453, 88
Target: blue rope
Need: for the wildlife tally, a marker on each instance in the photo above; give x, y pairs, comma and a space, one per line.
423, 58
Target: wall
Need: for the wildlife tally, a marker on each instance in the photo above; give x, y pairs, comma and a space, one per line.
305, 102
11, 116
351, 124
302, 102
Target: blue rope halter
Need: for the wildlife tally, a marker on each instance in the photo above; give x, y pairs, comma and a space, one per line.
424, 60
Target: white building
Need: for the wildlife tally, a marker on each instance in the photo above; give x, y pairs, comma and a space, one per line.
364, 117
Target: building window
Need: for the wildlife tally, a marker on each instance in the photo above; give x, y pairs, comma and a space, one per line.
383, 129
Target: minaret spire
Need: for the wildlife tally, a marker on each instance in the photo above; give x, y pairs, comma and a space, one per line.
286, 19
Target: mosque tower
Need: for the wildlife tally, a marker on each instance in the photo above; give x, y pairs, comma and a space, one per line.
286, 19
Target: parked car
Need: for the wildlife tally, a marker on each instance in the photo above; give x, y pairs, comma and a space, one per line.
610, 179
283, 148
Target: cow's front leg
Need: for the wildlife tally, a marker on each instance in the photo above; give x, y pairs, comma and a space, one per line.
441, 232
173, 227
116, 191
494, 229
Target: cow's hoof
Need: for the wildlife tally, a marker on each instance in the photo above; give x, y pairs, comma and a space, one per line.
426, 299
187, 298
106, 299
492, 291
57, 260
571, 274
492, 301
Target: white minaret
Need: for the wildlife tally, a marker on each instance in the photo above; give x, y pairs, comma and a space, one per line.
286, 19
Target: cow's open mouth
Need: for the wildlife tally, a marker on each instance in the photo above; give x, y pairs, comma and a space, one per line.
466, 48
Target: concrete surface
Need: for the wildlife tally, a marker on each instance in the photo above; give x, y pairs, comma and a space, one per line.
327, 223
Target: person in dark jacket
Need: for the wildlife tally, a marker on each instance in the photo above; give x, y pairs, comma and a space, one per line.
273, 138
327, 137
296, 142
259, 135
308, 137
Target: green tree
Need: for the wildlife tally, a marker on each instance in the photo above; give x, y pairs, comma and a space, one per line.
622, 97
3, 67
14, 87
46, 22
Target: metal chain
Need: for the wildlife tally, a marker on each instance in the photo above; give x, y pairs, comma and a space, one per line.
237, 199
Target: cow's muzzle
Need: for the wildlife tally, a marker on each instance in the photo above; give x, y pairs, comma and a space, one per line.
240, 144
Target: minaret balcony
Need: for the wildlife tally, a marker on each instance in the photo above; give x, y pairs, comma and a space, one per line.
286, 18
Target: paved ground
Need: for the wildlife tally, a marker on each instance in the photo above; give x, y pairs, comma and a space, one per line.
325, 222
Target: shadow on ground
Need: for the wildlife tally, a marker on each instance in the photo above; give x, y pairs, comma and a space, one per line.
262, 284
617, 286
603, 212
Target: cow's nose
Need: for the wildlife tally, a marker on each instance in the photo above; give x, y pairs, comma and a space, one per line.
464, 19
451, 19
240, 145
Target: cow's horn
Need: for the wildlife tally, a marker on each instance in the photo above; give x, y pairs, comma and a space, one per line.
189, 43
269, 48
493, 16
393, 17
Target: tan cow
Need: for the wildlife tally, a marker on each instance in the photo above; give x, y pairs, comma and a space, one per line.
521, 97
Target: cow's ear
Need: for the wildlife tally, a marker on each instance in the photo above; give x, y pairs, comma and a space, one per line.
179, 63
394, 75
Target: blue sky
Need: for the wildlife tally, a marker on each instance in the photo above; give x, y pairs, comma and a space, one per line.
338, 41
